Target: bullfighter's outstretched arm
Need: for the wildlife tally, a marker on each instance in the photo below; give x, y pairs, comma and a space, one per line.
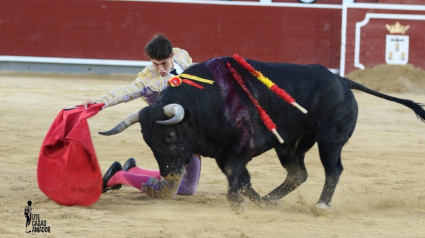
148, 84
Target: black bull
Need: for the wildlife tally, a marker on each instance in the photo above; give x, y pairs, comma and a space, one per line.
221, 122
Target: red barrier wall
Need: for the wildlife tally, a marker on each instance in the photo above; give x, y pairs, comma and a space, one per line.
120, 30
317, 1
412, 2
373, 38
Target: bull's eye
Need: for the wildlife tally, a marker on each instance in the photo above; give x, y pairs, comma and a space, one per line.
171, 137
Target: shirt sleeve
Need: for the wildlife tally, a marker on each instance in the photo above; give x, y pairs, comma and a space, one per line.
141, 86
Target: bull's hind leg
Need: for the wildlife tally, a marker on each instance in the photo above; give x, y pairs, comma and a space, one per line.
330, 155
331, 138
292, 159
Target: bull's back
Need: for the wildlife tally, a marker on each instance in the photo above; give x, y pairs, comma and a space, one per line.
325, 95
298, 79
312, 86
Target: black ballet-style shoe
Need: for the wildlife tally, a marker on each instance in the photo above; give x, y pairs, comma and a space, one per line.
130, 163
115, 167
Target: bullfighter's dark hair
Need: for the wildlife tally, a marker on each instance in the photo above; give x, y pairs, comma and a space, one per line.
159, 48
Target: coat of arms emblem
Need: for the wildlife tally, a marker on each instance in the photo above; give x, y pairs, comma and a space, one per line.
397, 47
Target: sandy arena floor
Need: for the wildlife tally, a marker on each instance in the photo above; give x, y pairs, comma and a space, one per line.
381, 192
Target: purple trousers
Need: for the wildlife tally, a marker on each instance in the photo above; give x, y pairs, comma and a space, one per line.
190, 180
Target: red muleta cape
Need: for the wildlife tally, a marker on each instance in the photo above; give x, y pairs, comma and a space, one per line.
67, 169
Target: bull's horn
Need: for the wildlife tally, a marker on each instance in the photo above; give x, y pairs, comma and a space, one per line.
175, 112
130, 120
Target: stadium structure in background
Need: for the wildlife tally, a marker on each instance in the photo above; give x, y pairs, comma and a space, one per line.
81, 36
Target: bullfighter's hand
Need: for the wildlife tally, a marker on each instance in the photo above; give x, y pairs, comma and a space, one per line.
153, 187
87, 102
155, 183
162, 189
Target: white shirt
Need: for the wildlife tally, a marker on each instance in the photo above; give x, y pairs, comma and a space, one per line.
178, 68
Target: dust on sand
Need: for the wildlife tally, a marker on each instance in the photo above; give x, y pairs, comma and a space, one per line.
380, 194
391, 78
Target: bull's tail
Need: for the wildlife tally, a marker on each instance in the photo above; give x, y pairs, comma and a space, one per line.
416, 107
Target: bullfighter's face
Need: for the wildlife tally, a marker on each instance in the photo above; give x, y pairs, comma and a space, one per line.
163, 66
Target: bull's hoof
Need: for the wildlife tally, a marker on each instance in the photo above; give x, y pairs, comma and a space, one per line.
236, 202
267, 203
321, 209
239, 207
322, 206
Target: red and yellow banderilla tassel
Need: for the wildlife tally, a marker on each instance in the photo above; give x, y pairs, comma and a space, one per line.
266, 81
263, 115
176, 80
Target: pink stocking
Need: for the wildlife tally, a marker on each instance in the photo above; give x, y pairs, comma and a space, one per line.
122, 177
140, 171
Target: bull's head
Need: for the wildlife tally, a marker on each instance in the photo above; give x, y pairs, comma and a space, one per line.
165, 133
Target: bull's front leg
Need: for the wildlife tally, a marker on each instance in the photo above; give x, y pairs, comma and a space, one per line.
246, 188
239, 181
